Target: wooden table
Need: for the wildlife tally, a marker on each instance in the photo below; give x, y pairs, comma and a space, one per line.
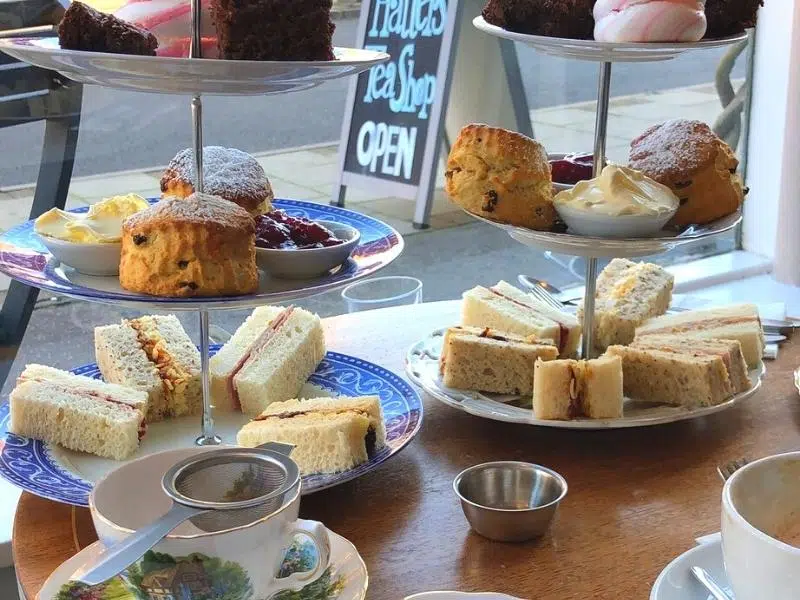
637, 497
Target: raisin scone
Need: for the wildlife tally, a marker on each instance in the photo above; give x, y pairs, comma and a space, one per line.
200, 246
501, 175
695, 164
228, 173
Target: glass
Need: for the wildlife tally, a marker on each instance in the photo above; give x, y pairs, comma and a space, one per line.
382, 292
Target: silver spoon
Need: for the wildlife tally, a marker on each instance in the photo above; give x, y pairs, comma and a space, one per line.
705, 578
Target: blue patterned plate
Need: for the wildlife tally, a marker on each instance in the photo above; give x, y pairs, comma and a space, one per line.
23, 257
66, 476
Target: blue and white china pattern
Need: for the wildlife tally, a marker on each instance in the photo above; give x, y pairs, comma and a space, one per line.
24, 258
31, 465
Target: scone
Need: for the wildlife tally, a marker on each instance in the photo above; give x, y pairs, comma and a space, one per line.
693, 162
228, 173
502, 176
200, 246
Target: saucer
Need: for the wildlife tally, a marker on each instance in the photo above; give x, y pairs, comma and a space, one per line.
345, 579
676, 581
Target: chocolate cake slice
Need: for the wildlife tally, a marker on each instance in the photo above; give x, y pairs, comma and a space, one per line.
554, 18
274, 29
729, 17
84, 28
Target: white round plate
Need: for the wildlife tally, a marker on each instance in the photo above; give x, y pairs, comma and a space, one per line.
422, 366
676, 581
604, 51
346, 578
579, 245
171, 75
23, 257
62, 475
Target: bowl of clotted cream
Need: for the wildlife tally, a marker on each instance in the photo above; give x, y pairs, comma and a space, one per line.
90, 242
619, 203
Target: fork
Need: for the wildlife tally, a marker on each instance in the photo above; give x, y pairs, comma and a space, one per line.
544, 296
725, 471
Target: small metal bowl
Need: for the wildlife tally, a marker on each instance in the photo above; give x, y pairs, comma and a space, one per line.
510, 501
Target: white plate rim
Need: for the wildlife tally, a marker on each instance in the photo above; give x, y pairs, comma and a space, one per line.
605, 51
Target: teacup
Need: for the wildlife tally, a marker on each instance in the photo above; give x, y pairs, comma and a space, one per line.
242, 561
761, 529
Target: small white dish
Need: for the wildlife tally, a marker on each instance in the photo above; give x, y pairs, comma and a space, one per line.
676, 581
307, 263
584, 222
100, 258
346, 578
460, 596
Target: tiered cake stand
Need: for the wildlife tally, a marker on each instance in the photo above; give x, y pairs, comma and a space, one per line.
37, 467
422, 358
593, 248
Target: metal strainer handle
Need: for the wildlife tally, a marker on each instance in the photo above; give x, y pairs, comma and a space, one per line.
123, 554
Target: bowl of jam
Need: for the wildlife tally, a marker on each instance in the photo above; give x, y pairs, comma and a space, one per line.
568, 169
291, 247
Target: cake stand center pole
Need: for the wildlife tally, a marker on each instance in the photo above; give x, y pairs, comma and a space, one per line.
600, 133
197, 142
207, 438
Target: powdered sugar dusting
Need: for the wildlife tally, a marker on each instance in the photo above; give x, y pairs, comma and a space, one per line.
201, 209
227, 172
674, 150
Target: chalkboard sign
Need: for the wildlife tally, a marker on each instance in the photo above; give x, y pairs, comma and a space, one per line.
392, 129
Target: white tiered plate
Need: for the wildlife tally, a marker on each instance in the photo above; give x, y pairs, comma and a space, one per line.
422, 366
579, 245
346, 578
604, 51
171, 75
24, 258
67, 476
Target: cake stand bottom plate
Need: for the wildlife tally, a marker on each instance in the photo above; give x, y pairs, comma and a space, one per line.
422, 366
67, 476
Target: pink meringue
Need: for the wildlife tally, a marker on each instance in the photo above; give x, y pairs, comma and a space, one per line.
170, 22
649, 20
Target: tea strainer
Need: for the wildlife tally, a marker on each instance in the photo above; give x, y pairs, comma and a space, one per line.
217, 490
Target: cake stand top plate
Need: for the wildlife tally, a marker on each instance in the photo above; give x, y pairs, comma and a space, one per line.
594, 247
24, 258
170, 75
604, 51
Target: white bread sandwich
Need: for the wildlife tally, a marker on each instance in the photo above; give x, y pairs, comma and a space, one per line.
506, 308
627, 294
268, 359
670, 378
155, 355
730, 351
571, 389
76, 412
330, 434
491, 361
736, 322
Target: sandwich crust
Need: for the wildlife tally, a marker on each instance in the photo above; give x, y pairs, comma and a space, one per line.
501, 175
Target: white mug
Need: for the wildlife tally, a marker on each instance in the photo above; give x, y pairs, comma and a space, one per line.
243, 561
761, 503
